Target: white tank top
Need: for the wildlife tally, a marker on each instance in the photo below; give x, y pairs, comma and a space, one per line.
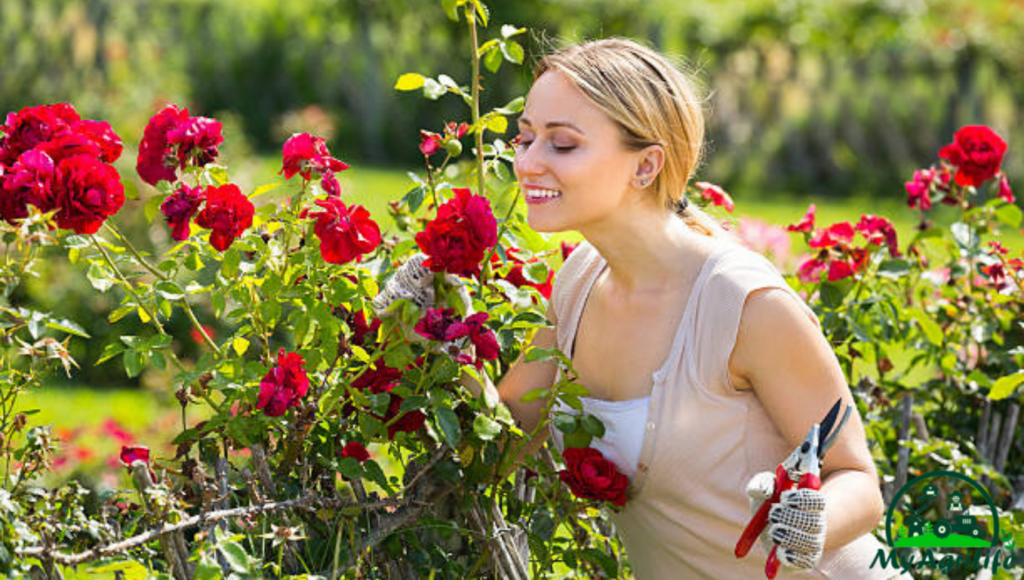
624, 423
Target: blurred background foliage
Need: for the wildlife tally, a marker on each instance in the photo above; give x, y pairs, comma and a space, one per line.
807, 100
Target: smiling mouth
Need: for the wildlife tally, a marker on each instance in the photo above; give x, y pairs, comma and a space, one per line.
541, 195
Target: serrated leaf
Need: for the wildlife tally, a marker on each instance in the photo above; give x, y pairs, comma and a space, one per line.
513, 51
409, 82
1005, 386
486, 428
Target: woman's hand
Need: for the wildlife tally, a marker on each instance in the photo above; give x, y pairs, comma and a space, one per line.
411, 281
796, 525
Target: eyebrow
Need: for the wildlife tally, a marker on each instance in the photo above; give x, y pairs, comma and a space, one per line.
552, 124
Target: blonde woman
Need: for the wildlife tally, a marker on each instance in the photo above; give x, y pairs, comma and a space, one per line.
704, 366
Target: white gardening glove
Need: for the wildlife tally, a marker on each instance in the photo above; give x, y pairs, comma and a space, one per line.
412, 281
796, 525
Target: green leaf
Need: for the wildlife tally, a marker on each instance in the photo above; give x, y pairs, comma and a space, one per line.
98, 277
485, 427
65, 325
376, 475
497, 124
513, 51
932, 331
451, 7
133, 363
235, 556
266, 188
240, 345
534, 395
593, 425
433, 90
606, 563
229, 266
410, 82
1005, 386
110, 351
508, 31
448, 421
514, 106
578, 438
1010, 215
414, 198
130, 570
536, 272
894, 269
169, 290
492, 60
565, 422
965, 237
152, 208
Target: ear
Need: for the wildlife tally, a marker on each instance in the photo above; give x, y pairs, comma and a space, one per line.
650, 161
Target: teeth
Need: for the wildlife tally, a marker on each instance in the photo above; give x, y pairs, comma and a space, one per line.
543, 193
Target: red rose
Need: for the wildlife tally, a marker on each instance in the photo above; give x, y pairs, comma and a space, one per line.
156, 160
381, 380
483, 338
516, 277
457, 239
132, 453
977, 152
377, 380
834, 235
30, 181
284, 385
228, 213
88, 191
361, 330
918, 189
345, 233
101, 133
430, 143
715, 195
179, 208
355, 450
304, 153
32, 126
567, 250
408, 422
806, 223
196, 140
590, 476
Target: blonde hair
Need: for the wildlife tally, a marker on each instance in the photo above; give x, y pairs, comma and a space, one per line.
652, 102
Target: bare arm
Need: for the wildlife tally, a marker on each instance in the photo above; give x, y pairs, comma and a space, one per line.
797, 380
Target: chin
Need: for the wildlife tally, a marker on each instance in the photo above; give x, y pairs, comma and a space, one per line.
544, 225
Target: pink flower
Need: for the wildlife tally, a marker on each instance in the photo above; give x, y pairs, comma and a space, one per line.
806, 223
132, 453
810, 269
284, 385
879, 231
836, 234
180, 207
918, 189
765, 238
430, 143
304, 153
1005, 193
715, 195
111, 428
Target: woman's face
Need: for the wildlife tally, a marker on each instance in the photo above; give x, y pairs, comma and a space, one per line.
571, 165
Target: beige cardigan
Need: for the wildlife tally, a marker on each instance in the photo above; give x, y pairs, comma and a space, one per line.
704, 439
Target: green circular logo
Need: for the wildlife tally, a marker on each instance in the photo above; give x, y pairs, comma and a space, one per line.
957, 529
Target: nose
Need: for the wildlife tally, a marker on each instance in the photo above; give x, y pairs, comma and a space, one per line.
528, 161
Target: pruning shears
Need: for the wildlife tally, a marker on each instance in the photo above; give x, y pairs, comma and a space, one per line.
801, 470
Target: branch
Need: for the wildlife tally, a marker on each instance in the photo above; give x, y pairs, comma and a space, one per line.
308, 502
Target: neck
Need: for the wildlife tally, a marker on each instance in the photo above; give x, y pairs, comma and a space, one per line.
648, 250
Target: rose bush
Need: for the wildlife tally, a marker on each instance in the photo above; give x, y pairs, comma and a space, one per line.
347, 434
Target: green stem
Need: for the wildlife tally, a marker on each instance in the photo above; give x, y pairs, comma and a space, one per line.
164, 278
501, 232
127, 285
471, 18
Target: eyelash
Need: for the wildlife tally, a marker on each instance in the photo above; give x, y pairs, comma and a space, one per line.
525, 144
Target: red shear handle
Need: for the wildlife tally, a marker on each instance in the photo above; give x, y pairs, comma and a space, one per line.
771, 567
760, 519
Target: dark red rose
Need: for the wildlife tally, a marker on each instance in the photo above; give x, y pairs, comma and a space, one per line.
34, 125
567, 250
195, 141
70, 144
330, 184
918, 189
345, 233
156, 159
836, 234
408, 422
227, 212
180, 207
304, 153
441, 325
977, 152
355, 450
284, 385
590, 476
715, 195
457, 239
103, 135
806, 223
30, 181
378, 380
483, 338
361, 330
381, 380
88, 191
132, 453
879, 231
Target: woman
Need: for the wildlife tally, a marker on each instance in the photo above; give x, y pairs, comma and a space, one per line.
704, 366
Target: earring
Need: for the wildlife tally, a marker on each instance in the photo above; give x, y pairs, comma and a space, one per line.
643, 182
